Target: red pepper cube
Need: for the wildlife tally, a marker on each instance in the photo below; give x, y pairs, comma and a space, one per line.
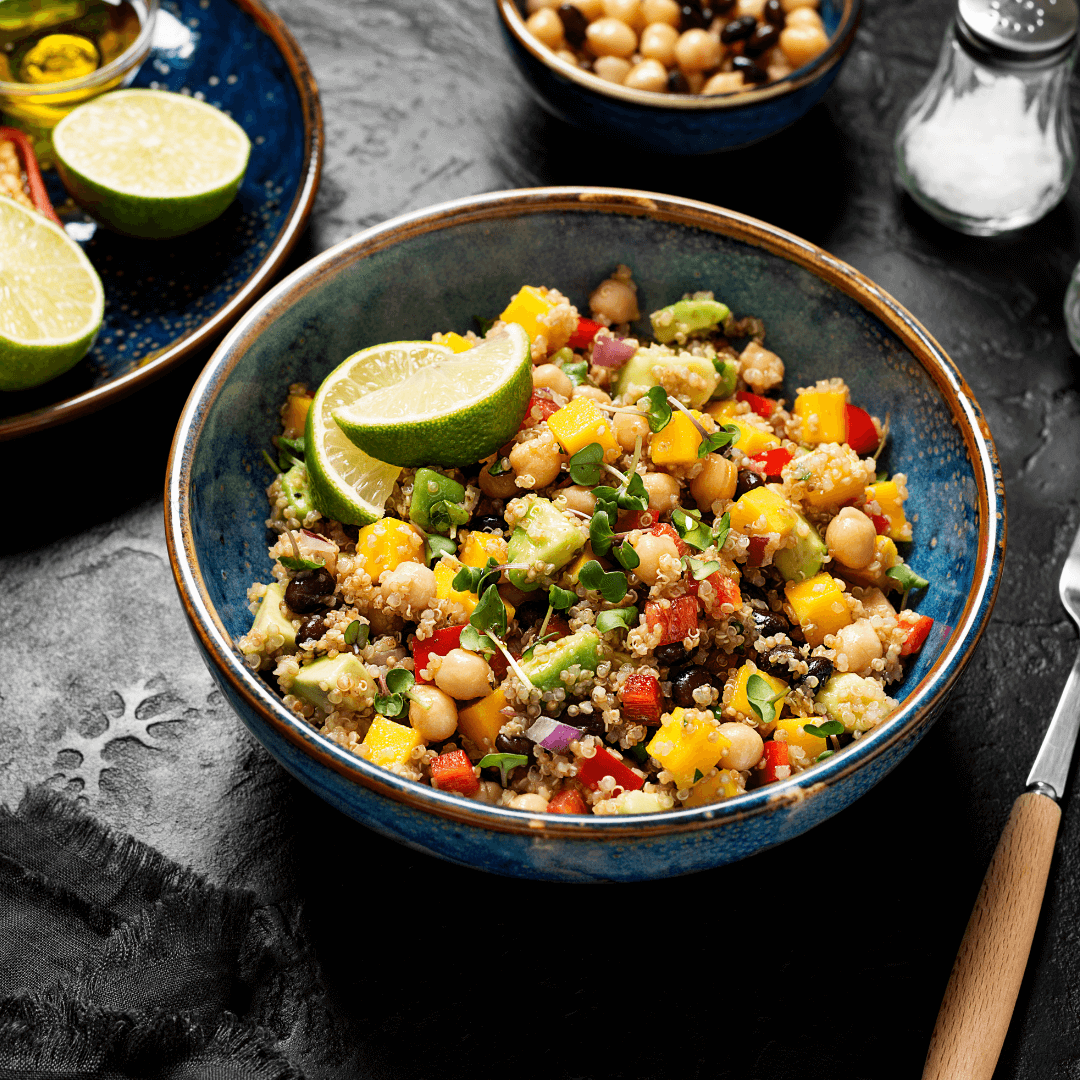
763, 406
541, 406
567, 801
676, 621
755, 551
603, 763
881, 523
641, 699
725, 590
771, 463
917, 626
583, 333
862, 436
776, 762
454, 772
439, 644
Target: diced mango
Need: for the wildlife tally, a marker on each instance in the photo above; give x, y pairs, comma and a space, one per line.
886, 493
718, 785
752, 440
723, 411
480, 546
761, 502
688, 745
579, 423
574, 569
456, 342
741, 703
294, 415
820, 606
445, 572
529, 303
874, 576
387, 544
811, 745
482, 720
823, 415
387, 743
678, 443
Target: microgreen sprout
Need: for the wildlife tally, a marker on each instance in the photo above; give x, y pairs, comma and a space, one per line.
576, 373
830, 727
699, 568
484, 325
600, 535
824, 754
626, 555
718, 440
397, 682
884, 436
272, 463
908, 580
446, 516
473, 641
658, 409
470, 578
585, 465
721, 530
437, 547
762, 699
357, 633
561, 599
690, 527
505, 763
611, 585
624, 617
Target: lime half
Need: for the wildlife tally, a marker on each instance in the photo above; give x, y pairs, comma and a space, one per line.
51, 300
450, 413
346, 483
151, 163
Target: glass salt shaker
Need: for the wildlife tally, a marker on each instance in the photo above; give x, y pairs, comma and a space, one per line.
988, 144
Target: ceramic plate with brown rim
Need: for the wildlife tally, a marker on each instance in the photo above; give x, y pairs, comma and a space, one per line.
164, 300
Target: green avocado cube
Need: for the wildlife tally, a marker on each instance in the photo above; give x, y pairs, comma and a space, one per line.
641, 373
431, 487
550, 660
297, 489
545, 533
728, 371
687, 317
806, 557
269, 619
315, 681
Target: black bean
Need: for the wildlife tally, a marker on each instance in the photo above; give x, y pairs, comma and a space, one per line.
775, 661
591, 724
738, 29
748, 480
769, 623
670, 654
311, 629
821, 667
310, 590
693, 18
491, 523
676, 82
774, 13
750, 71
721, 7
574, 24
685, 682
514, 744
761, 40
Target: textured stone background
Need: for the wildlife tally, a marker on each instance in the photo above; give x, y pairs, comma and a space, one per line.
824, 958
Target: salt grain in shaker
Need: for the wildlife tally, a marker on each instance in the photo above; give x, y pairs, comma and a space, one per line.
988, 145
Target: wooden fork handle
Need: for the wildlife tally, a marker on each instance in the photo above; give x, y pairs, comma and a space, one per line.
989, 967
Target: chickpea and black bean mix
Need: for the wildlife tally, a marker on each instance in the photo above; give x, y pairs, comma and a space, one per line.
682, 46
667, 589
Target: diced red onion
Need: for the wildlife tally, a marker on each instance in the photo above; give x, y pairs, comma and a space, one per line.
553, 735
612, 352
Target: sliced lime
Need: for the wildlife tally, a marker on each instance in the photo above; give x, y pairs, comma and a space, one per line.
51, 300
450, 413
346, 483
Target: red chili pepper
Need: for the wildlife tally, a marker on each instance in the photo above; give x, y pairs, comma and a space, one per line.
567, 801
772, 462
603, 763
755, 552
641, 699
540, 407
439, 644
880, 523
583, 333
675, 622
454, 772
725, 589
763, 406
862, 436
918, 626
38, 195
776, 758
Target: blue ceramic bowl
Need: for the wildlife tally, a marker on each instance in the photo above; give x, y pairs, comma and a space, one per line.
677, 123
435, 270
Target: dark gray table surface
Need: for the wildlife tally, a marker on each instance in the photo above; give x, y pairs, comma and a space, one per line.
823, 958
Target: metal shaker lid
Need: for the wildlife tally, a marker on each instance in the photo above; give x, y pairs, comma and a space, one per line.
1018, 29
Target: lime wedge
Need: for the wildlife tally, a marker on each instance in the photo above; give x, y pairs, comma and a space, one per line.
151, 163
51, 300
346, 484
450, 413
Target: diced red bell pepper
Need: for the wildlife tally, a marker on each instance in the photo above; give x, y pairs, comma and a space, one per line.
881, 524
676, 622
664, 529
454, 772
583, 333
763, 406
776, 762
635, 519
541, 406
725, 589
917, 626
603, 763
439, 644
772, 462
862, 436
567, 801
641, 699
755, 552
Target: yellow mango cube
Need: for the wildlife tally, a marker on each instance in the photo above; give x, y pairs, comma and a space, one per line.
819, 605
445, 572
678, 443
748, 512
574, 569
721, 784
481, 546
386, 544
886, 493
579, 423
723, 411
811, 745
874, 576
752, 440
482, 720
688, 745
387, 743
456, 342
823, 415
529, 303
741, 703
294, 415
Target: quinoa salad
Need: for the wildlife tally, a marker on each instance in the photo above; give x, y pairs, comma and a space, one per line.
674, 584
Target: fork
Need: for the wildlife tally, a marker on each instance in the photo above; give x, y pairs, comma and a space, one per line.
985, 981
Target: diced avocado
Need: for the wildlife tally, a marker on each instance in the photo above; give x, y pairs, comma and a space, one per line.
297, 489
728, 371
546, 534
550, 660
269, 620
857, 703
640, 375
429, 488
687, 317
806, 558
324, 672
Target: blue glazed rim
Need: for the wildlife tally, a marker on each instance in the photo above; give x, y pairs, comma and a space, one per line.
919, 707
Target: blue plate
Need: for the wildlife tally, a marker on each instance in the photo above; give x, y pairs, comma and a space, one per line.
166, 299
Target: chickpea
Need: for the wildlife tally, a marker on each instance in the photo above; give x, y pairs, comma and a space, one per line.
611, 37
801, 44
593, 392
724, 82
463, 675
648, 75
546, 26
552, 377
432, 712
591, 9
858, 643
411, 582
746, 747
628, 426
852, 538
490, 792
804, 16
661, 11
614, 300
697, 50
502, 486
579, 498
569, 57
536, 462
627, 11
612, 69
535, 803
663, 492
750, 7
649, 548
658, 43
716, 480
